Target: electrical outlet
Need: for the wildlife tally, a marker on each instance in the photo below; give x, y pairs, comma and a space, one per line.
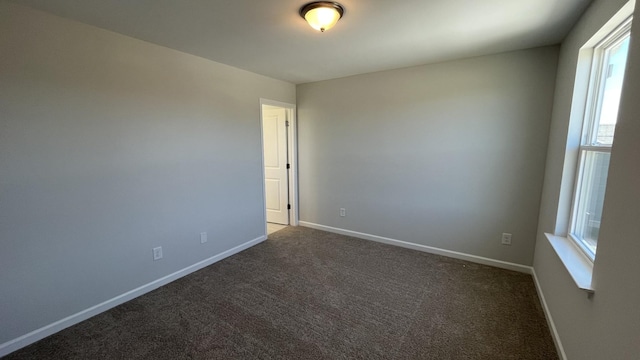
343, 212
203, 237
157, 253
506, 239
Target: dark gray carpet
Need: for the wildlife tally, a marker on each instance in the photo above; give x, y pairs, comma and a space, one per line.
308, 294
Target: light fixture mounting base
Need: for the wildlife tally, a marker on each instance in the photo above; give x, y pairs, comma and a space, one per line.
316, 4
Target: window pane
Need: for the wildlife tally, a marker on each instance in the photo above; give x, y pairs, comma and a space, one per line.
613, 71
595, 166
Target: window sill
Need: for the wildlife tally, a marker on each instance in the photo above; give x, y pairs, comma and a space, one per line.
579, 266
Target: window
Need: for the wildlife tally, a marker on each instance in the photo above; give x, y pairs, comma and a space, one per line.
605, 89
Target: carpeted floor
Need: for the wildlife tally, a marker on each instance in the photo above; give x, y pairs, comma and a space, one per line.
308, 294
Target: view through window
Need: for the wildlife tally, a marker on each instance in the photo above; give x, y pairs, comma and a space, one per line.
605, 90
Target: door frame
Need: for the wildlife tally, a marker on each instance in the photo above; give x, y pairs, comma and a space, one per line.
292, 156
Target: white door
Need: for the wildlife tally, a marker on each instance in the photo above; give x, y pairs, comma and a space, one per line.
274, 130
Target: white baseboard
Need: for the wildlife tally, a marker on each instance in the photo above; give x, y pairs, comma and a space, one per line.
27, 339
62, 324
547, 314
429, 249
458, 255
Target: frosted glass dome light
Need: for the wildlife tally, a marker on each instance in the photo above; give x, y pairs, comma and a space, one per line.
322, 15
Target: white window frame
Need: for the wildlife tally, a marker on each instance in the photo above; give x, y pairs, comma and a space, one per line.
591, 122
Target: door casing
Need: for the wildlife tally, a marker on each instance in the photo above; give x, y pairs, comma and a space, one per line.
292, 151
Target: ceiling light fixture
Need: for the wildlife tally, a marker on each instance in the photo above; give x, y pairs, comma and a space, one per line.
322, 15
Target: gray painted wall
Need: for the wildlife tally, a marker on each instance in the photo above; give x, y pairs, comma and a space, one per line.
607, 326
110, 146
448, 155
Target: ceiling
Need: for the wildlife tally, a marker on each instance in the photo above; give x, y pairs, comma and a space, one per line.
268, 37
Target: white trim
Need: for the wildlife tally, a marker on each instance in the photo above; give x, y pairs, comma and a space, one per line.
292, 155
429, 249
547, 314
262, 171
616, 20
576, 137
292, 148
588, 94
458, 255
593, 148
38, 334
276, 103
579, 266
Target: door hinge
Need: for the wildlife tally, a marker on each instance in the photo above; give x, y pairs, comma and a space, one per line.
286, 123
288, 206
288, 166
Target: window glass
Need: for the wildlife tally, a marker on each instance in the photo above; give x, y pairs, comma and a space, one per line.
591, 198
609, 65
614, 67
